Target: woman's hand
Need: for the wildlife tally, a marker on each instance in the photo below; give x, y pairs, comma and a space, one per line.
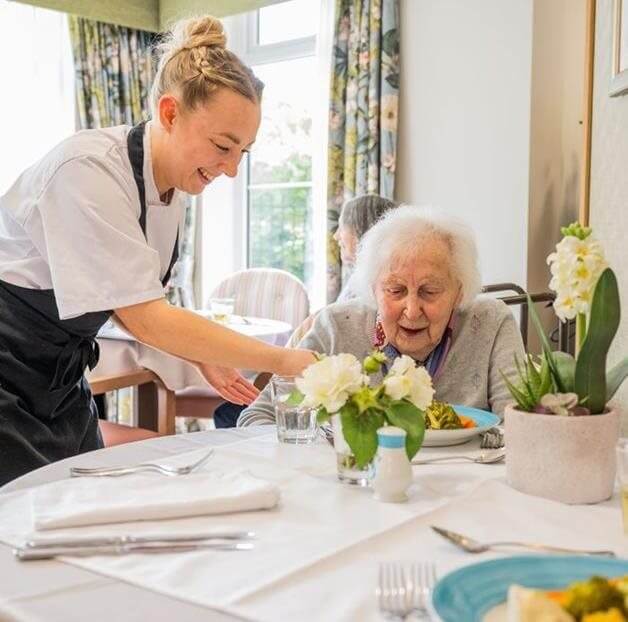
229, 383
295, 361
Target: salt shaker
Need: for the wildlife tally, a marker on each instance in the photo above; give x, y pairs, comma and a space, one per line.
393, 472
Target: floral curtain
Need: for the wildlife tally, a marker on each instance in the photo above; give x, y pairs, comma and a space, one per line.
363, 112
114, 68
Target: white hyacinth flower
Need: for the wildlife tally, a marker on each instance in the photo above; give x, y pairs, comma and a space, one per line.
406, 380
330, 382
575, 267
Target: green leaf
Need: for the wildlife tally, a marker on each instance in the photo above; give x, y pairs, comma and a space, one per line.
534, 377
524, 387
390, 42
522, 399
615, 377
322, 416
604, 319
546, 377
547, 349
566, 367
295, 398
360, 431
393, 80
408, 417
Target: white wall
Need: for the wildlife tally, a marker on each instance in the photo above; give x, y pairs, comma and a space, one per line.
465, 120
609, 182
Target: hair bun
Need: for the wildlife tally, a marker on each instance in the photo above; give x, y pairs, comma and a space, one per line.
204, 31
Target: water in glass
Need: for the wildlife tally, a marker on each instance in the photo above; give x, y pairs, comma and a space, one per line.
295, 424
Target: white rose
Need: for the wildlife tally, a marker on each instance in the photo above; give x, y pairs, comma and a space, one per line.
401, 365
421, 392
397, 387
330, 382
406, 380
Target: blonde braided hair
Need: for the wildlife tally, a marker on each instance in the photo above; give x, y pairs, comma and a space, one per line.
195, 62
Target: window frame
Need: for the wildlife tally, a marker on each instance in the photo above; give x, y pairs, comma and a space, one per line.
261, 54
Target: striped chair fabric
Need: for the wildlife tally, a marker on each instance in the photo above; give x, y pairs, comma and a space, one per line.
258, 292
266, 293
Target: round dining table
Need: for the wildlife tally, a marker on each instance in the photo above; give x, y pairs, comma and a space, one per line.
317, 553
120, 351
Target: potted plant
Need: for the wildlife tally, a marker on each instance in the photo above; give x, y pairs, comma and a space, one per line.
339, 388
561, 433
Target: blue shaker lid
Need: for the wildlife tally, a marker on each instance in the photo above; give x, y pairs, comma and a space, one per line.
391, 437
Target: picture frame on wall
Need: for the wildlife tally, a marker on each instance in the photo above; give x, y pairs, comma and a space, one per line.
619, 69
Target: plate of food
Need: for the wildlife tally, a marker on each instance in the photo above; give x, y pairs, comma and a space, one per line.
535, 587
453, 424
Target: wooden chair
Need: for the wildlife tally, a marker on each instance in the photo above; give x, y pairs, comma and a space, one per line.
156, 406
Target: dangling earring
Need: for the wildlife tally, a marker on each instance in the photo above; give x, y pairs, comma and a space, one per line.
380, 336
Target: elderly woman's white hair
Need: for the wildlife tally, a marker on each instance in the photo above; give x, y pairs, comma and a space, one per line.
400, 232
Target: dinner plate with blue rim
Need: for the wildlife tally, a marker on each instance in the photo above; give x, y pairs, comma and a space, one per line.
484, 420
477, 593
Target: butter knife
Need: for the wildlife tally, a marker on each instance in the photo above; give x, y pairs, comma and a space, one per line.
32, 554
127, 539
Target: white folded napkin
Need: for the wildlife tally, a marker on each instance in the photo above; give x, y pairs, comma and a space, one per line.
90, 500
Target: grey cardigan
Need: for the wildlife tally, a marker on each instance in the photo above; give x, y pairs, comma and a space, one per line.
484, 341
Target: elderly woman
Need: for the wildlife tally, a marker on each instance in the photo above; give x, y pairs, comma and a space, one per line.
417, 279
358, 215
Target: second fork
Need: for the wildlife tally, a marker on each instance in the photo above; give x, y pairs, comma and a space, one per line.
147, 466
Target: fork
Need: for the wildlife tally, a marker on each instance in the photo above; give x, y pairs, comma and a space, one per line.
402, 591
473, 546
146, 466
423, 582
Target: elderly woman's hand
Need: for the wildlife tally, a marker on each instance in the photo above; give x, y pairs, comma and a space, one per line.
229, 383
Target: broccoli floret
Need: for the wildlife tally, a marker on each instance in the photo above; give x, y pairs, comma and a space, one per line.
595, 594
612, 615
441, 416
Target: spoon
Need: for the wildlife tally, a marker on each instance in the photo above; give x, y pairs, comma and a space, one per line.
486, 457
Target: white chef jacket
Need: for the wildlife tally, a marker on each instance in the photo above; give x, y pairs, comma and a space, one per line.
71, 223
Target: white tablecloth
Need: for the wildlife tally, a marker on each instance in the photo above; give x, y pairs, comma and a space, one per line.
317, 554
119, 351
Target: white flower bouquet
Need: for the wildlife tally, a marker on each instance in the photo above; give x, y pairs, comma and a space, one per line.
340, 384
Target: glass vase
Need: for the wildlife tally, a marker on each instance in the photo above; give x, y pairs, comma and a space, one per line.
348, 470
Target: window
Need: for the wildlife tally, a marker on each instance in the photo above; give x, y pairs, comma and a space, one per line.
280, 171
279, 180
288, 21
273, 213
38, 73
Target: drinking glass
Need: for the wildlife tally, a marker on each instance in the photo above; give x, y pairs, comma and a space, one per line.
622, 475
295, 424
221, 309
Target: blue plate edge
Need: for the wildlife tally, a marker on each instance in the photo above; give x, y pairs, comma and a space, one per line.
475, 413
615, 566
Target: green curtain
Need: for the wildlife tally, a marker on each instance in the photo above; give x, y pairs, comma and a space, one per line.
114, 70
115, 67
363, 112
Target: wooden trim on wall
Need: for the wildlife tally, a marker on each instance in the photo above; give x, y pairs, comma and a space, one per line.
587, 122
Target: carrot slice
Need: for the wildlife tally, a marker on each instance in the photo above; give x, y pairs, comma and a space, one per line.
467, 422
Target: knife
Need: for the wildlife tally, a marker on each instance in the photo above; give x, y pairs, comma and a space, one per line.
30, 554
42, 543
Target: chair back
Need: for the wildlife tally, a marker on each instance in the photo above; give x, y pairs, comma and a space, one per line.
267, 293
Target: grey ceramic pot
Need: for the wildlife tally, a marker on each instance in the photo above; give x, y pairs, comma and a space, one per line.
566, 459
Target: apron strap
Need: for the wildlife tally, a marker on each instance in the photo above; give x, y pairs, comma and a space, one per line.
135, 143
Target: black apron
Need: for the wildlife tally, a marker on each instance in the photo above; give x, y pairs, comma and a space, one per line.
46, 408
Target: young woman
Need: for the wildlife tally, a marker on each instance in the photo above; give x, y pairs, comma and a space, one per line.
91, 230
